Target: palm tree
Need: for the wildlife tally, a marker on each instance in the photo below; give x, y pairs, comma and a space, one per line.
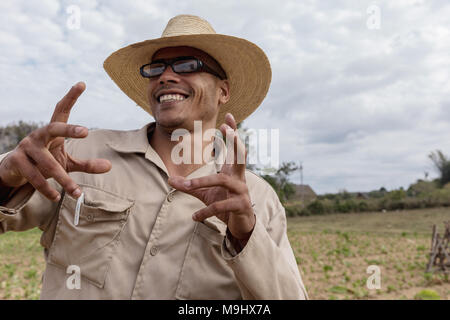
442, 164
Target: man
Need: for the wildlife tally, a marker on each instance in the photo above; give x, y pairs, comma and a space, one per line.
138, 225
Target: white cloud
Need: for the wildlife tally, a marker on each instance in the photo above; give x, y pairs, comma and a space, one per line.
361, 108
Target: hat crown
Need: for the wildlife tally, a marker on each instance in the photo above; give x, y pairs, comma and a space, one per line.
184, 24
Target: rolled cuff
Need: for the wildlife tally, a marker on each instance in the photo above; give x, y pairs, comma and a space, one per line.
17, 214
263, 270
17, 200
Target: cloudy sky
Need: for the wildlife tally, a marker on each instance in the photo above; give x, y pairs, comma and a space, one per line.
361, 101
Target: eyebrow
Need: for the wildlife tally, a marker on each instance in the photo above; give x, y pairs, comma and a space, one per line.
176, 58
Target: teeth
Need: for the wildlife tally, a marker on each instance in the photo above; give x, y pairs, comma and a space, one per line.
171, 97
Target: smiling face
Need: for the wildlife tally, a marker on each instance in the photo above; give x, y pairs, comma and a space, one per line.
176, 100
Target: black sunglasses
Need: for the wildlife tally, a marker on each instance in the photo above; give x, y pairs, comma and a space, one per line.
178, 65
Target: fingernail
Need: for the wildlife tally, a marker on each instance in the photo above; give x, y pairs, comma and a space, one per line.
79, 130
187, 183
57, 198
77, 193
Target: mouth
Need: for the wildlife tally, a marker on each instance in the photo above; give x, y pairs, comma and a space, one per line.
171, 98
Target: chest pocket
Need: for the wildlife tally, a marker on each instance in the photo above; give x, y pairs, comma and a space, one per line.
91, 244
205, 274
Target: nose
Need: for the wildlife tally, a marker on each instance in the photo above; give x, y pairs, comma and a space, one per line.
169, 76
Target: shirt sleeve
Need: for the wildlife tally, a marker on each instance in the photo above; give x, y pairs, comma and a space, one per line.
266, 267
25, 208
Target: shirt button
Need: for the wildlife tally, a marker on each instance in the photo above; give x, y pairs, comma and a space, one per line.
154, 250
89, 217
170, 197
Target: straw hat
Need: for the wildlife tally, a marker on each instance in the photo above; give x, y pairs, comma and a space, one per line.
247, 67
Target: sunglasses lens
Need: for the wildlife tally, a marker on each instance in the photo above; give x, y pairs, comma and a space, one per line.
189, 65
179, 66
154, 69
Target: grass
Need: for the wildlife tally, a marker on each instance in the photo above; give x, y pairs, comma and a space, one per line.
406, 223
335, 251
332, 251
21, 265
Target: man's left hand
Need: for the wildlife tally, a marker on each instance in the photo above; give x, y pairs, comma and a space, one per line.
225, 194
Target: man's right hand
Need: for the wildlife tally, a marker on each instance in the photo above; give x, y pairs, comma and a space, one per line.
41, 154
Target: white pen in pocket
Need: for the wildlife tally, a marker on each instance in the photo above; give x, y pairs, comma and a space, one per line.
78, 209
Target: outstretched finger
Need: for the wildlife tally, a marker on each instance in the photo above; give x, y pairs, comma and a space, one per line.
177, 182
228, 205
229, 134
229, 120
49, 167
32, 174
64, 106
239, 146
220, 179
88, 166
235, 148
240, 152
61, 130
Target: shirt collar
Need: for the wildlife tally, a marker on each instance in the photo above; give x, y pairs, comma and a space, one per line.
137, 141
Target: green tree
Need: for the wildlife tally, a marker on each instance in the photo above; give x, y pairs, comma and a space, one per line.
12, 134
442, 164
397, 195
280, 180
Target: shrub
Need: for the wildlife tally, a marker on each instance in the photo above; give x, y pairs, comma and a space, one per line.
422, 188
382, 204
296, 210
427, 294
291, 211
316, 207
363, 206
376, 194
345, 195
328, 206
329, 196
305, 212
397, 195
394, 200
396, 205
346, 206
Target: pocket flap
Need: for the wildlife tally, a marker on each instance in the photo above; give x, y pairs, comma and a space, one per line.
100, 199
106, 201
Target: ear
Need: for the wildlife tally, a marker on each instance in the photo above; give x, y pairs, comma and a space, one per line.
224, 91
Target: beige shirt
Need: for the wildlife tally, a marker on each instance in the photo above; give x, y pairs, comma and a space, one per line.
136, 238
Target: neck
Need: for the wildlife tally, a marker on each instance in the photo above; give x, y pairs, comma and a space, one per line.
188, 149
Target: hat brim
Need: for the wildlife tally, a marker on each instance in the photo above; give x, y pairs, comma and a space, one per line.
246, 65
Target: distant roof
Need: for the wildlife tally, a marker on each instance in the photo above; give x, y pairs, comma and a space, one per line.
304, 189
